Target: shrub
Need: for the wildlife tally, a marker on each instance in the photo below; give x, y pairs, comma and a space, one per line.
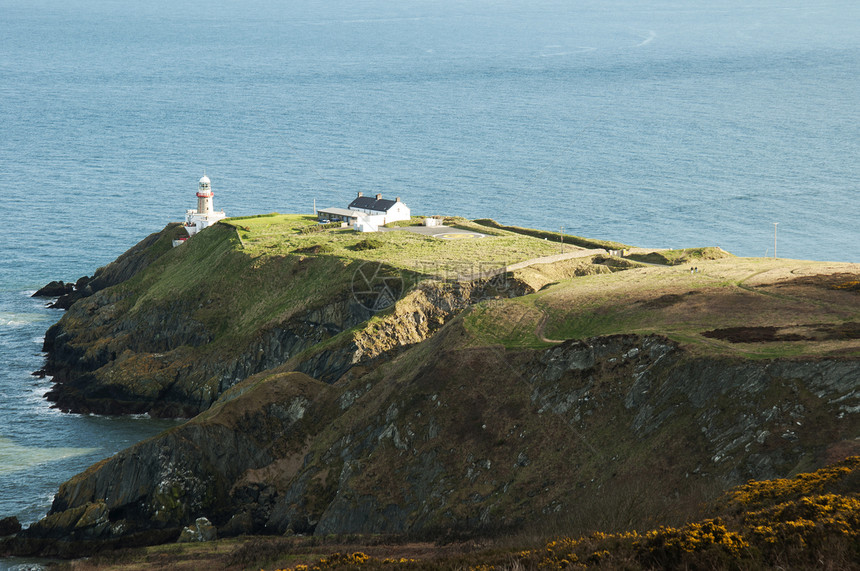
368, 244
315, 249
318, 228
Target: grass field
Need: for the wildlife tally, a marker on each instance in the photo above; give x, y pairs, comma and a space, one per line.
751, 307
281, 235
251, 273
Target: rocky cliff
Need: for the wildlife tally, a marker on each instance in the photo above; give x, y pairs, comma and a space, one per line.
609, 432
125, 267
183, 325
174, 334
448, 412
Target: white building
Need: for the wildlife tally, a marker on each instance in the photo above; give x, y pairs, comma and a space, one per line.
205, 215
389, 210
367, 214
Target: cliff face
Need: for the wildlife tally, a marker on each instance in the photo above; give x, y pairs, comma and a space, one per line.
608, 433
159, 363
411, 320
176, 332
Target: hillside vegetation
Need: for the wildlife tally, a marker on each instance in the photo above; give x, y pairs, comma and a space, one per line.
578, 392
747, 307
244, 296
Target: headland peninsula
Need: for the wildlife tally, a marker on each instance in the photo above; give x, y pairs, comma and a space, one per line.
375, 392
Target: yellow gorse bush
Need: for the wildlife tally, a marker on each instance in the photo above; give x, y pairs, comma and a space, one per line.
802, 516
694, 537
333, 561
808, 519
849, 285
755, 493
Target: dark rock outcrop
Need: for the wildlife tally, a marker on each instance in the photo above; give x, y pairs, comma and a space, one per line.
9, 526
201, 530
55, 289
161, 485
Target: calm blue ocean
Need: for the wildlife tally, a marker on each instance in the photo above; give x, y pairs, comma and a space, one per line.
663, 123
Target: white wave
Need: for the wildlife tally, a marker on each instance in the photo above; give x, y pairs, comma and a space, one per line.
14, 458
12, 319
578, 50
648, 39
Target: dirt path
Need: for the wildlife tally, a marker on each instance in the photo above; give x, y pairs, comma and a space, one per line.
540, 328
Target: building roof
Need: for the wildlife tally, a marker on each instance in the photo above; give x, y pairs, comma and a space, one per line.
340, 212
371, 203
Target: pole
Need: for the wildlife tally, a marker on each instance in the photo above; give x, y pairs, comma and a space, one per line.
774, 239
562, 239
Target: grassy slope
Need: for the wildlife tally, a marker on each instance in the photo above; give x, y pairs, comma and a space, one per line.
725, 293
235, 293
264, 270
278, 235
237, 279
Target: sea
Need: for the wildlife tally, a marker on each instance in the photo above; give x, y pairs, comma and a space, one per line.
659, 123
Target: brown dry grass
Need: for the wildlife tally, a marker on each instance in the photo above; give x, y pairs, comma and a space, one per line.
807, 304
270, 552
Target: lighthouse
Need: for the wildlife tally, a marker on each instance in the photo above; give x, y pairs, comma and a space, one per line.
205, 215
204, 196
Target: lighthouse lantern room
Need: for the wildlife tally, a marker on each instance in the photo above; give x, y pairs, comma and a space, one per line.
205, 215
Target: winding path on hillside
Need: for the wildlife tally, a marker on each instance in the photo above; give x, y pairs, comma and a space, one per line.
540, 329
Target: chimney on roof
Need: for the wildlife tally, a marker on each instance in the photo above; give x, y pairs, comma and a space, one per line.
360, 194
378, 197
397, 199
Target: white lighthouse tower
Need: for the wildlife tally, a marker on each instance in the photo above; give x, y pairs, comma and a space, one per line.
205, 215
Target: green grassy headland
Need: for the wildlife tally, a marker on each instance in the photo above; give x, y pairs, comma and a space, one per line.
246, 273
281, 234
